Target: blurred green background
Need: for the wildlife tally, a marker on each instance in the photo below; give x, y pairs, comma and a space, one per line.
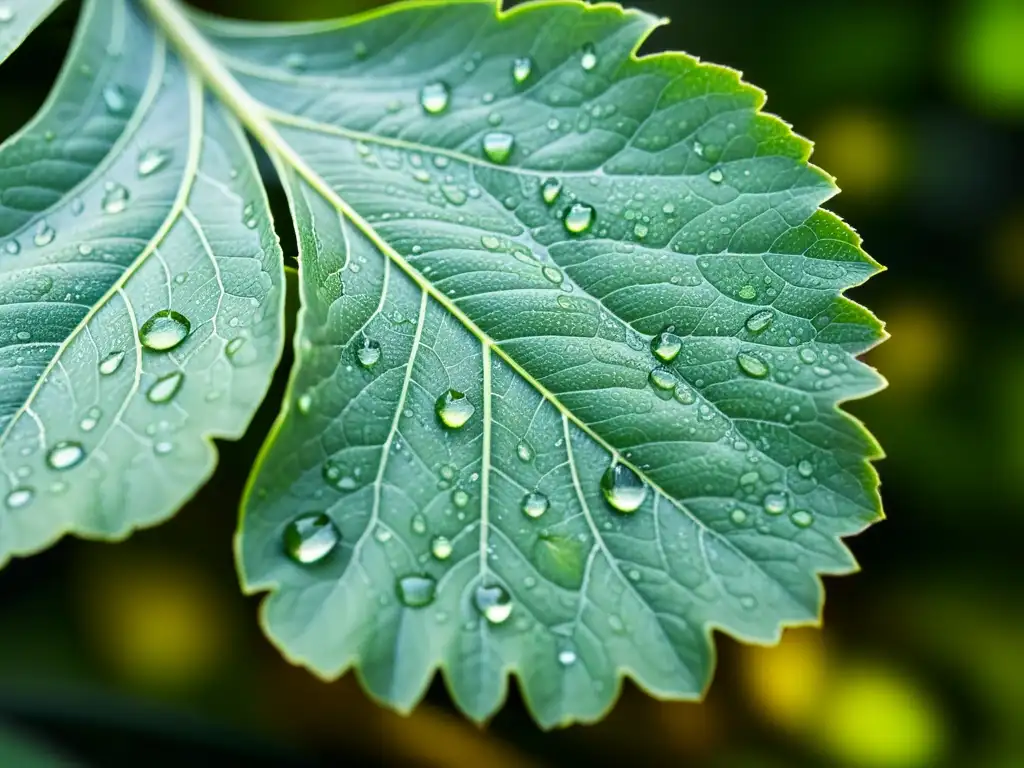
146, 651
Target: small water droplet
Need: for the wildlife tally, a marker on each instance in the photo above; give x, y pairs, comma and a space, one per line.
115, 198
566, 657
552, 274
498, 146
453, 409
805, 468
579, 218
249, 216
65, 455
808, 356
685, 395
337, 476
752, 365
165, 388
535, 504
418, 524
623, 489
91, 419
434, 98
588, 58
715, 176
12, 247
759, 321
6, 14
454, 194
460, 498
114, 98
416, 591
369, 353
164, 331
163, 448
524, 451
296, 61
775, 503
44, 234
665, 346
640, 230
802, 518
490, 242
111, 363
738, 516
521, 69
19, 498
304, 403
747, 292
152, 160
310, 538
550, 189
494, 602
748, 601
441, 548
663, 379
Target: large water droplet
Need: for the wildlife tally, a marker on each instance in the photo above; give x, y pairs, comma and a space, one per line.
164, 330
310, 538
494, 602
6, 14
441, 548
65, 455
663, 379
579, 218
434, 98
453, 409
416, 591
498, 146
152, 160
369, 353
759, 321
521, 69
775, 503
535, 504
114, 98
623, 489
19, 498
566, 657
550, 189
665, 346
752, 365
115, 198
165, 388
588, 58
802, 518
111, 363
44, 234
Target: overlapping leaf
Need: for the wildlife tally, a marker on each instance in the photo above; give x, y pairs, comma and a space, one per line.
140, 289
17, 20
571, 351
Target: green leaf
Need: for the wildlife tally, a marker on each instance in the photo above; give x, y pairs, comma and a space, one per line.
141, 290
24, 751
17, 20
569, 358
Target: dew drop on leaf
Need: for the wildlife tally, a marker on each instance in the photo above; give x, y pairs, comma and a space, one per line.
114, 99
521, 69
310, 538
164, 331
337, 476
802, 518
90, 420
535, 504
524, 451
715, 176
550, 189
441, 548
747, 292
434, 98
588, 59
752, 365
490, 242
418, 524
111, 363
368, 354
579, 218
805, 468
738, 516
6, 14
19, 498
494, 602
115, 199
498, 146
165, 388
567, 657
152, 160
65, 455
623, 489
453, 409
416, 591
552, 275
460, 498
665, 346
760, 321
775, 503
44, 234
663, 379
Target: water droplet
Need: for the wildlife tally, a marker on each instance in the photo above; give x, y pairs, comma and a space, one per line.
418, 524
44, 234
640, 230
759, 321
460, 498
623, 489
738, 516
665, 346
566, 657
115, 199
521, 69
715, 176
524, 451
490, 242
336, 475
441, 548
805, 468
163, 448
111, 363
165, 388
6, 14
310, 538
588, 59
535, 504
19, 498
685, 395
808, 356
152, 160
90, 420
296, 61
752, 365
65, 455
434, 98
552, 274
369, 353
747, 292
802, 518
494, 602
453, 409
249, 216
454, 194
775, 503
114, 98
304, 403
164, 331
498, 146
663, 379
550, 189
416, 591
579, 218
12, 247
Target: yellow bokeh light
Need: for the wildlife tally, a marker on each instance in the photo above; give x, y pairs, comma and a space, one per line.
861, 149
785, 682
919, 349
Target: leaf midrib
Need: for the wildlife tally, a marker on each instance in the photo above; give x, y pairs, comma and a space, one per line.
201, 57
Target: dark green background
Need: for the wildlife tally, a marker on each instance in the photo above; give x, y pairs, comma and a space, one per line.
147, 651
